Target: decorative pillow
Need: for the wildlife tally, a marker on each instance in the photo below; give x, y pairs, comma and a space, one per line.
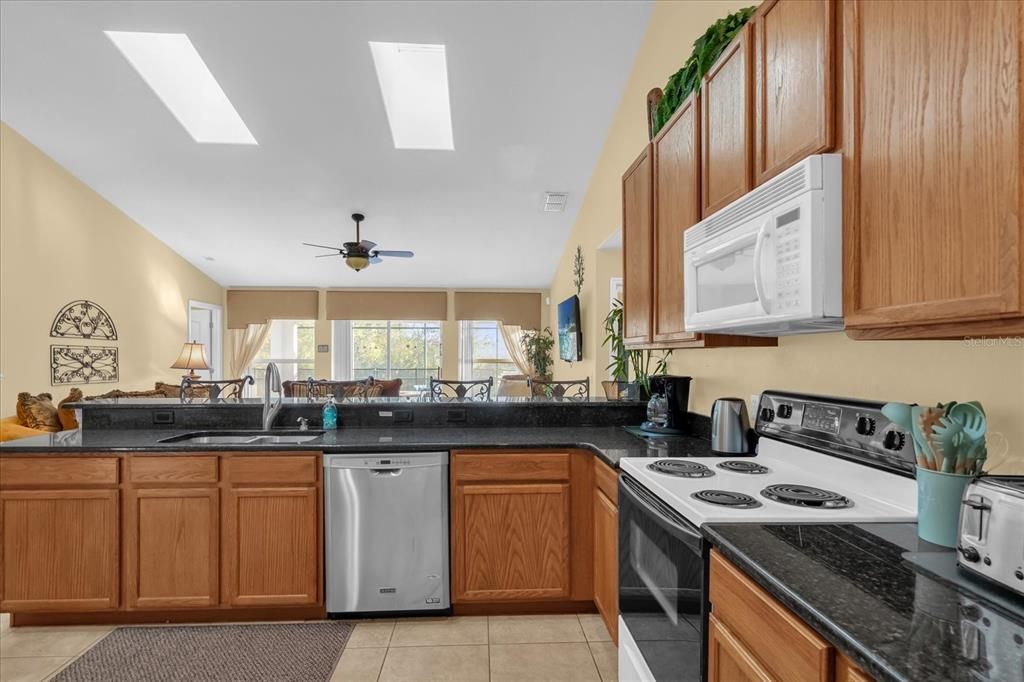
118, 393
37, 412
389, 387
66, 415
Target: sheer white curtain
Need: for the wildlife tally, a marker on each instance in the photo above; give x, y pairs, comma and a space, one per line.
243, 345
513, 336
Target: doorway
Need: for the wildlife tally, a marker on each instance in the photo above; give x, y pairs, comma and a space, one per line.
205, 325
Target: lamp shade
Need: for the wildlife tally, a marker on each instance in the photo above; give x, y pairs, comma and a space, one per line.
193, 356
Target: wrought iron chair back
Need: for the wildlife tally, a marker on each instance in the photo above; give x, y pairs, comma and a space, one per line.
575, 390
213, 390
446, 391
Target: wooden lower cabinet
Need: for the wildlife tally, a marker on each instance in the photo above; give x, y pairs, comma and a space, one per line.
729, 660
60, 550
521, 529
271, 546
606, 547
753, 637
172, 547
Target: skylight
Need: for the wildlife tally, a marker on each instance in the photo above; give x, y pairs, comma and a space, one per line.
414, 84
170, 64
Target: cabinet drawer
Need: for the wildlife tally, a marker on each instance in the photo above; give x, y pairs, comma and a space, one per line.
780, 641
272, 469
170, 470
607, 481
58, 471
549, 466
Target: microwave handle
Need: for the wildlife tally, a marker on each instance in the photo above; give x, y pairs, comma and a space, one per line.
762, 296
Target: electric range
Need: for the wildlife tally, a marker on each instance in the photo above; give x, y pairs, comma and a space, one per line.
819, 460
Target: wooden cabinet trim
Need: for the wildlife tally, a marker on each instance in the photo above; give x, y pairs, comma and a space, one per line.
949, 309
136, 564
825, 134
58, 471
552, 466
172, 469
739, 48
784, 644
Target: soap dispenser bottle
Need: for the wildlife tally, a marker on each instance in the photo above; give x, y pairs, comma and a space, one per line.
330, 414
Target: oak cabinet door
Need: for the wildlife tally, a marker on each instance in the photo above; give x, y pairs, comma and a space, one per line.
60, 550
637, 235
794, 83
606, 561
511, 542
729, 660
172, 548
726, 158
677, 206
271, 546
933, 191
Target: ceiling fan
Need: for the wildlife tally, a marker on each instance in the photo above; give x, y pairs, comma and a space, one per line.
361, 252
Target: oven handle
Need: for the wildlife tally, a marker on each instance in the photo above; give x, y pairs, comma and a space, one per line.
762, 298
658, 509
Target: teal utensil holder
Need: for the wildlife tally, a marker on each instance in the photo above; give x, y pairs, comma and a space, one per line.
939, 498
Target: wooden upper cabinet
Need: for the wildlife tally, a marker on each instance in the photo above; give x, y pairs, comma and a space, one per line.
172, 547
726, 139
637, 236
677, 206
933, 185
794, 83
60, 550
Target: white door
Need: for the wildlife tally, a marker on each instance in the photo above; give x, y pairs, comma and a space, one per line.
204, 327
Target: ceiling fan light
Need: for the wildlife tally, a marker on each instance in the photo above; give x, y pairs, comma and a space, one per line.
357, 263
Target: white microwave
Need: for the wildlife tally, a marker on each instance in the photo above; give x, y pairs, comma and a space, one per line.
771, 262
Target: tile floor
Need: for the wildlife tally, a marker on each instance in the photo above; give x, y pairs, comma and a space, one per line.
495, 648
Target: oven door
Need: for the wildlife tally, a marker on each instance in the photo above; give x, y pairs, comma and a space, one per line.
662, 586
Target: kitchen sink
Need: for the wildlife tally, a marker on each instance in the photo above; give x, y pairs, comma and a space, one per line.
245, 437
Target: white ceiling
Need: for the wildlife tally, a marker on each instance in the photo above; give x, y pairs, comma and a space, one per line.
533, 86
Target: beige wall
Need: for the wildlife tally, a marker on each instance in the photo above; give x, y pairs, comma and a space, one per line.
924, 371
60, 241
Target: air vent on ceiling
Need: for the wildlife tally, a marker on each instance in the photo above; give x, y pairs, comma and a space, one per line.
554, 202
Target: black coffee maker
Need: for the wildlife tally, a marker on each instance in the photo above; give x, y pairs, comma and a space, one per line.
666, 410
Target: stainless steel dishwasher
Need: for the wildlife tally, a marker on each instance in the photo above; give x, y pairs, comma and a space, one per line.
386, 527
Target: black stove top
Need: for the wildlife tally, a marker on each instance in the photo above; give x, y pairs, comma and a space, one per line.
806, 496
681, 468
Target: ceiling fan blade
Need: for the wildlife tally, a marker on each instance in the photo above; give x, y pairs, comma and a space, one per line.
367, 244
329, 255
395, 254
376, 259
321, 246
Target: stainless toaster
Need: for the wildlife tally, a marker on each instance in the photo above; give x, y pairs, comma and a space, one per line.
992, 530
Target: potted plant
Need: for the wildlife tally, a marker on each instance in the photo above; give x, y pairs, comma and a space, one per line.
624, 359
537, 347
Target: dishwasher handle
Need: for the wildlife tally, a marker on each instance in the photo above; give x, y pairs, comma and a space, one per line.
386, 472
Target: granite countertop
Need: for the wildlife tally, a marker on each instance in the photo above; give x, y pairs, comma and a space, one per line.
610, 443
892, 603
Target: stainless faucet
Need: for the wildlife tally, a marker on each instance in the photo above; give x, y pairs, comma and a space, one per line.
271, 383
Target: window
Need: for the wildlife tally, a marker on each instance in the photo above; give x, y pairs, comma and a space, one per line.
409, 350
482, 351
291, 345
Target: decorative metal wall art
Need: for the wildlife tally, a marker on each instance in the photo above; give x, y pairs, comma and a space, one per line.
578, 270
84, 320
83, 365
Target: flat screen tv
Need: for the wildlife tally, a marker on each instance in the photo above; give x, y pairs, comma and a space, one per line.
570, 334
